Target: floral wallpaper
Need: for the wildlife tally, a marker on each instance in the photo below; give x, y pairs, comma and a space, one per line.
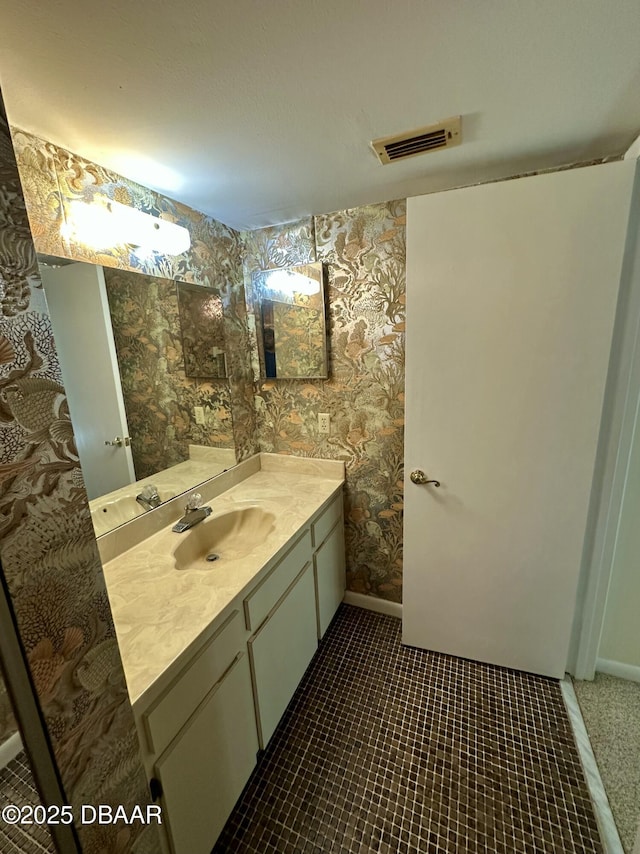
159, 399
298, 333
202, 331
53, 178
364, 253
48, 551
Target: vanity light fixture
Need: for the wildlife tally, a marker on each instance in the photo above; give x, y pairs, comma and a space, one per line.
104, 223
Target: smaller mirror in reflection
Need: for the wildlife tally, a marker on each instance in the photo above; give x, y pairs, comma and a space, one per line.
290, 314
202, 328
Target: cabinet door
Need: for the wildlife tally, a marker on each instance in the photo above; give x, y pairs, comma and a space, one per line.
330, 576
281, 651
207, 765
164, 719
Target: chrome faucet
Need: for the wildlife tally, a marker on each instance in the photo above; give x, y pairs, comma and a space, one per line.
149, 497
194, 512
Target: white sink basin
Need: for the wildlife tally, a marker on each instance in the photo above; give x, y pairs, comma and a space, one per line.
109, 514
228, 536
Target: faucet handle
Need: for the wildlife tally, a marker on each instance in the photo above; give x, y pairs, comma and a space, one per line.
194, 501
150, 491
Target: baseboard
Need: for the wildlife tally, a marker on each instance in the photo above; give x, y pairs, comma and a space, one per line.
372, 603
604, 817
9, 749
617, 668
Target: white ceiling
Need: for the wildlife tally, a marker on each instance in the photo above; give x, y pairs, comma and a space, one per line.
261, 111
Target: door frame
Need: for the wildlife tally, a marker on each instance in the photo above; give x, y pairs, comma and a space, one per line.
33, 732
621, 412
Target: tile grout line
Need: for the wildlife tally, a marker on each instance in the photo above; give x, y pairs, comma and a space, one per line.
606, 823
394, 750
17, 786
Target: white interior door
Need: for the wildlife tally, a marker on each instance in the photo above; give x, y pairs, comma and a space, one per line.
77, 300
511, 296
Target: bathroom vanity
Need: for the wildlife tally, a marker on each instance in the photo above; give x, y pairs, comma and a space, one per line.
213, 649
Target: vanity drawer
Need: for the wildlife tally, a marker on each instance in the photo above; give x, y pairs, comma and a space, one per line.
273, 587
323, 525
180, 699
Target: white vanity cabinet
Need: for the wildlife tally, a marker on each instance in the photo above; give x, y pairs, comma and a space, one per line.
210, 715
296, 602
204, 770
281, 614
201, 733
281, 651
329, 563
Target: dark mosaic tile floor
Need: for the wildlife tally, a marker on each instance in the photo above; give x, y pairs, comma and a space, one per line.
395, 750
17, 787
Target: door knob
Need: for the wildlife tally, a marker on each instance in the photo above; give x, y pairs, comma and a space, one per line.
418, 476
118, 442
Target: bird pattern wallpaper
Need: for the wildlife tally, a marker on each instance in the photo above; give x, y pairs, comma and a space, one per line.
363, 250
48, 551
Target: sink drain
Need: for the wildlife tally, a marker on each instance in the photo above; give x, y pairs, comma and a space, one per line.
213, 557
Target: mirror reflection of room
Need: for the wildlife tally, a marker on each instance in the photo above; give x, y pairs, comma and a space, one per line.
202, 331
290, 314
146, 429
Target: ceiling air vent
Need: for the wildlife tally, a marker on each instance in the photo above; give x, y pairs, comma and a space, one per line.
442, 135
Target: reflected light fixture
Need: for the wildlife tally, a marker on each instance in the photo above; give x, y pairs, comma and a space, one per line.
291, 282
104, 224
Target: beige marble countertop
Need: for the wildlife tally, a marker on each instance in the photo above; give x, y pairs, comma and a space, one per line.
161, 614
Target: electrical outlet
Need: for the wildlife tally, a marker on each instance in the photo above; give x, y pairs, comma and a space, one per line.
198, 411
323, 422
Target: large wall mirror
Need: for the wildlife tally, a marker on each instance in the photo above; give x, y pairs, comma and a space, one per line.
146, 429
289, 307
